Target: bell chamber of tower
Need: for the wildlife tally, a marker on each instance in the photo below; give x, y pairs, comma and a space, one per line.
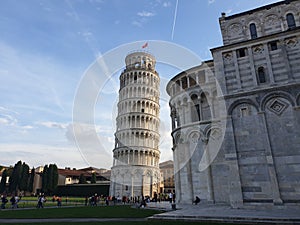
136, 155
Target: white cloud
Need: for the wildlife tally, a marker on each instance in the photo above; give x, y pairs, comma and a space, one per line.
145, 14
211, 1
33, 80
8, 117
137, 23
95, 148
85, 33
4, 121
37, 155
27, 127
167, 4
50, 124
96, 1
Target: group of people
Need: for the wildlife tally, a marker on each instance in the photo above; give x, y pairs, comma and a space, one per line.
92, 200
57, 199
171, 197
13, 200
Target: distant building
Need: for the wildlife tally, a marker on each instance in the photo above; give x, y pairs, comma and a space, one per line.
1, 171
167, 175
236, 118
70, 176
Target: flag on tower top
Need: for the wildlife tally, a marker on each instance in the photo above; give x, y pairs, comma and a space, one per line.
145, 45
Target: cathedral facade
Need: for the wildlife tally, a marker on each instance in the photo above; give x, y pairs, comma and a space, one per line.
236, 118
135, 171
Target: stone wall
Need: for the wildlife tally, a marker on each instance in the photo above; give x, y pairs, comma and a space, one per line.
243, 145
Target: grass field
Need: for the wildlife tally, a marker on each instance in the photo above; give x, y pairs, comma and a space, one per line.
31, 202
128, 223
118, 211
80, 212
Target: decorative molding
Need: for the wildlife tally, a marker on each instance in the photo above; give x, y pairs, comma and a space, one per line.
277, 106
227, 57
291, 42
271, 20
258, 49
235, 30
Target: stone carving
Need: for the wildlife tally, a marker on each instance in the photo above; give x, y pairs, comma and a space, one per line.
227, 57
291, 43
194, 138
259, 49
235, 30
271, 20
215, 134
277, 106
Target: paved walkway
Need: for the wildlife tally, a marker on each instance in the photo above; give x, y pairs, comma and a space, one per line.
212, 213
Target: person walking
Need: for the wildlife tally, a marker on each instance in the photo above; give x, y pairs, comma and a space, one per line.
13, 202
41, 201
3, 201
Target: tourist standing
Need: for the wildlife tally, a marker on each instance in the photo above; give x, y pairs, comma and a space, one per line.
170, 197
3, 201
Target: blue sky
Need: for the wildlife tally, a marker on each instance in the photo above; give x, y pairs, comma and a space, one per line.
47, 47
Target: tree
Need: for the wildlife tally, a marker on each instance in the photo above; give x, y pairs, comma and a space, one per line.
52, 178
94, 178
49, 178
55, 177
23, 184
45, 179
3, 181
14, 179
31, 180
82, 179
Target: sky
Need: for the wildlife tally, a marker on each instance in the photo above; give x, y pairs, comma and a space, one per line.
48, 49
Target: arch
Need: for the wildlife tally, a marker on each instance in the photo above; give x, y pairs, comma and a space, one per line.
131, 78
239, 102
191, 134
261, 75
235, 28
179, 139
253, 30
290, 19
205, 106
148, 173
281, 94
271, 18
298, 99
194, 97
209, 130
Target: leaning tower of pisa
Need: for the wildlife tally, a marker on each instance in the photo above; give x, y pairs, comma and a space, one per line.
135, 170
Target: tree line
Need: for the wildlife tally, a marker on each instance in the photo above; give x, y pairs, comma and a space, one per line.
21, 179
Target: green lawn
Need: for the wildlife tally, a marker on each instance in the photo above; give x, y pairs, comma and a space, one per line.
80, 212
31, 202
127, 223
118, 211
